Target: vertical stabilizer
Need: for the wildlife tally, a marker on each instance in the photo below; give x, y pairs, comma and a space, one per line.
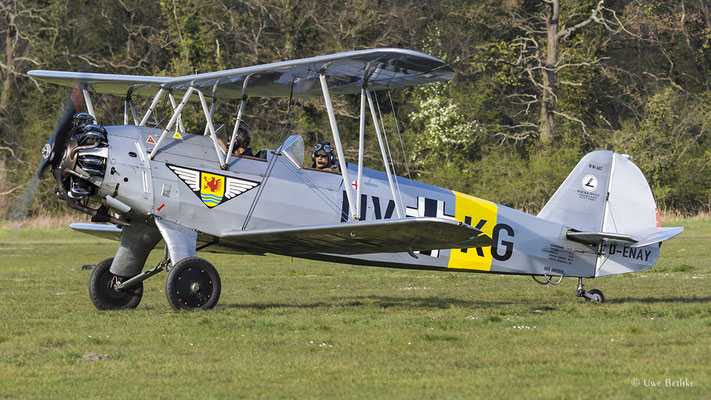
605, 192
580, 202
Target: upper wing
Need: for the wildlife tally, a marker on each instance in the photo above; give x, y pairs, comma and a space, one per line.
345, 72
388, 236
118, 85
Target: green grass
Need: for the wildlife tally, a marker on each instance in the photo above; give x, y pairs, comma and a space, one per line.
289, 328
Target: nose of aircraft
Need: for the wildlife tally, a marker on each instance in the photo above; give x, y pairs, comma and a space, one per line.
53, 149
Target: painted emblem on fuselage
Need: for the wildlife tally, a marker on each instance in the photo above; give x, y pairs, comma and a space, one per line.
212, 189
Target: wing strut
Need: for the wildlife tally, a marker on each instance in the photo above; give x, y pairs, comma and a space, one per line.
176, 116
242, 103
238, 121
339, 147
88, 102
398, 206
180, 118
126, 101
361, 140
152, 107
128, 104
211, 127
176, 113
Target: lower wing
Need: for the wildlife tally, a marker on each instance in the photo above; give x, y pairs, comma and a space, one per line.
384, 236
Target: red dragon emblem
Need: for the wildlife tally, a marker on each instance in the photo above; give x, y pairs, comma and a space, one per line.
214, 184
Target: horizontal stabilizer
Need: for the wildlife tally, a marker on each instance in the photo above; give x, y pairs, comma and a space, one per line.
389, 236
594, 238
659, 236
597, 237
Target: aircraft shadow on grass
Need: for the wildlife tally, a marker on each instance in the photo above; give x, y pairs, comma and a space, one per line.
443, 303
622, 300
384, 302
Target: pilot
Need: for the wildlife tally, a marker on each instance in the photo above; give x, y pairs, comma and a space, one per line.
241, 146
324, 157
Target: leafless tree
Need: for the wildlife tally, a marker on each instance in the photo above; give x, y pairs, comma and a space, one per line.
545, 54
18, 24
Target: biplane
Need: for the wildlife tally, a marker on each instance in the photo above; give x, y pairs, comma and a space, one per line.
152, 181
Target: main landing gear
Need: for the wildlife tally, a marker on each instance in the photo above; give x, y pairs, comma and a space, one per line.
104, 291
594, 295
192, 283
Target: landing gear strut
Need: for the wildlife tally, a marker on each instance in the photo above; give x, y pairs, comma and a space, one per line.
594, 295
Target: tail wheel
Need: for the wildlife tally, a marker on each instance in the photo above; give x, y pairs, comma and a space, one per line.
105, 296
193, 283
597, 296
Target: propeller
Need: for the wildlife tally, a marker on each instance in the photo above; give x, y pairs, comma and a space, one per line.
51, 154
52, 151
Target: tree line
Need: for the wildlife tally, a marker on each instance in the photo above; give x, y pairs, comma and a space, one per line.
539, 82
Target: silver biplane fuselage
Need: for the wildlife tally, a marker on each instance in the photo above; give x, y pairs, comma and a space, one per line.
297, 196
187, 190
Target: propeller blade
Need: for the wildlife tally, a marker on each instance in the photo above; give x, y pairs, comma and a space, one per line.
54, 147
51, 152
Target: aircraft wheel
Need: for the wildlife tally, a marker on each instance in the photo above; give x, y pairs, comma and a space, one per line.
597, 294
193, 283
103, 294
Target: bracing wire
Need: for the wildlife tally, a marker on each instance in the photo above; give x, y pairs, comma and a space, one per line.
328, 200
387, 145
159, 109
102, 105
253, 133
402, 143
291, 118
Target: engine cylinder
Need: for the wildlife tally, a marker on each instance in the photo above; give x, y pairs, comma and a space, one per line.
84, 161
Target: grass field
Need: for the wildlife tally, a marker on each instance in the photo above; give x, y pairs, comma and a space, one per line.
288, 328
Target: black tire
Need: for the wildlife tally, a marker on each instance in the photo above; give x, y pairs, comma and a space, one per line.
104, 296
598, 293
193, 283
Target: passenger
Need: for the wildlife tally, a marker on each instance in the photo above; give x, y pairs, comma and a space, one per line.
241, 146
324, 158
